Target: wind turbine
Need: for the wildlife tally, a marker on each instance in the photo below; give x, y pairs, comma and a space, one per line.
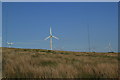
10, 44
110, 48
51, 36
93, 50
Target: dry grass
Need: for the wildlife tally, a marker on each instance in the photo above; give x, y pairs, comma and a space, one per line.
35, 63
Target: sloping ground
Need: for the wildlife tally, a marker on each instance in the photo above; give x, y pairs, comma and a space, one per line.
38, 63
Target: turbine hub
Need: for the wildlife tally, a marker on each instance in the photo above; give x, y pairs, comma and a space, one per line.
51, 36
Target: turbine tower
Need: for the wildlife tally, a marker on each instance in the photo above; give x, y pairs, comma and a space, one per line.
51, 36
10, 44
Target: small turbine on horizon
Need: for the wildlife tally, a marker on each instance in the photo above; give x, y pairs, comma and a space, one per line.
10, 44
51, 36
110, 48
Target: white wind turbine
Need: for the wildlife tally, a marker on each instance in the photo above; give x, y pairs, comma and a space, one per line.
51, 36
10, 44
110, 48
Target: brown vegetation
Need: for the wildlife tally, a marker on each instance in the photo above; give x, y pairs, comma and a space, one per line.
38, 63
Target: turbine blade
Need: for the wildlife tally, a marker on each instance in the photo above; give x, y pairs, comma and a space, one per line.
55, 37
50, 31
47, 38
12, 43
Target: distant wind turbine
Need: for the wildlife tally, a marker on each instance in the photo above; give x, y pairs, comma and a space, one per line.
110, 48
10, 44
51, 36
93, 50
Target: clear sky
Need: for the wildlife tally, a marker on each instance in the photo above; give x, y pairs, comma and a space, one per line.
0, 23
59, 0
27, 24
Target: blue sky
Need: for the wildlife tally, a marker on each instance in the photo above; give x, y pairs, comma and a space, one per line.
59, 0
0, 23
27, 24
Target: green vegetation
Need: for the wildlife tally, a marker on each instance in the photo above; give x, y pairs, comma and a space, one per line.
38, 63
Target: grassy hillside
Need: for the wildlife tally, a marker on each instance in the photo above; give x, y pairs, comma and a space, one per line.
38, 63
